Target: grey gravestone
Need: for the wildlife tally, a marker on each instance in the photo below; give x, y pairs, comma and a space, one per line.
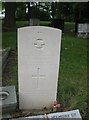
83, 30
34, 22
8, 101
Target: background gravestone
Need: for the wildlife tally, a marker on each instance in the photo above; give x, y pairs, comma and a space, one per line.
83, 30
34, 22
8, 100
38, 66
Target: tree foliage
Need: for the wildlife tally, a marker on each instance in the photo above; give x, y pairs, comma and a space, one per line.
21, 11
69, 11
80, 11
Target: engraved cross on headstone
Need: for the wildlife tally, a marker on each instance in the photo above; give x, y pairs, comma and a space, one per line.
38, 76
39, 43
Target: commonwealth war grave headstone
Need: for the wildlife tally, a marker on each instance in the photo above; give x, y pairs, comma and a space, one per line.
38, 66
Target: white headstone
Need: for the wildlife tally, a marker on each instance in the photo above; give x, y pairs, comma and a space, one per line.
38, 66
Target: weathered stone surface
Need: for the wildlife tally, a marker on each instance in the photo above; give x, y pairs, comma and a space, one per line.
38, 66
8, 100
83, 30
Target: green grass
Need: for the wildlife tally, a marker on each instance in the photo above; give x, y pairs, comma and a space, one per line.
72, 84
69, 27
21, 23
9, 39
72, 89
26, 23
45, 23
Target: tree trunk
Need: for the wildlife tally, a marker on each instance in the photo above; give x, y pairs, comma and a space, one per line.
10, 22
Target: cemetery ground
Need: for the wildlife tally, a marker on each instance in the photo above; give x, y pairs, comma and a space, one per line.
72, 84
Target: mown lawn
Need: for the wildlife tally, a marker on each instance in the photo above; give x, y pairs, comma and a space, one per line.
72, 84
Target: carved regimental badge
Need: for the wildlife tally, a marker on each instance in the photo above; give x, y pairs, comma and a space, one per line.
39, 44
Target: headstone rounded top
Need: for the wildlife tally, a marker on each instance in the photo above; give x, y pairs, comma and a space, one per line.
39, 27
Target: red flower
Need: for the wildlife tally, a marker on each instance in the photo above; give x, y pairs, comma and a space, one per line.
55, 106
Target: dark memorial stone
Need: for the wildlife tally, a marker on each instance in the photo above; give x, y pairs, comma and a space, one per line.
8, 100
